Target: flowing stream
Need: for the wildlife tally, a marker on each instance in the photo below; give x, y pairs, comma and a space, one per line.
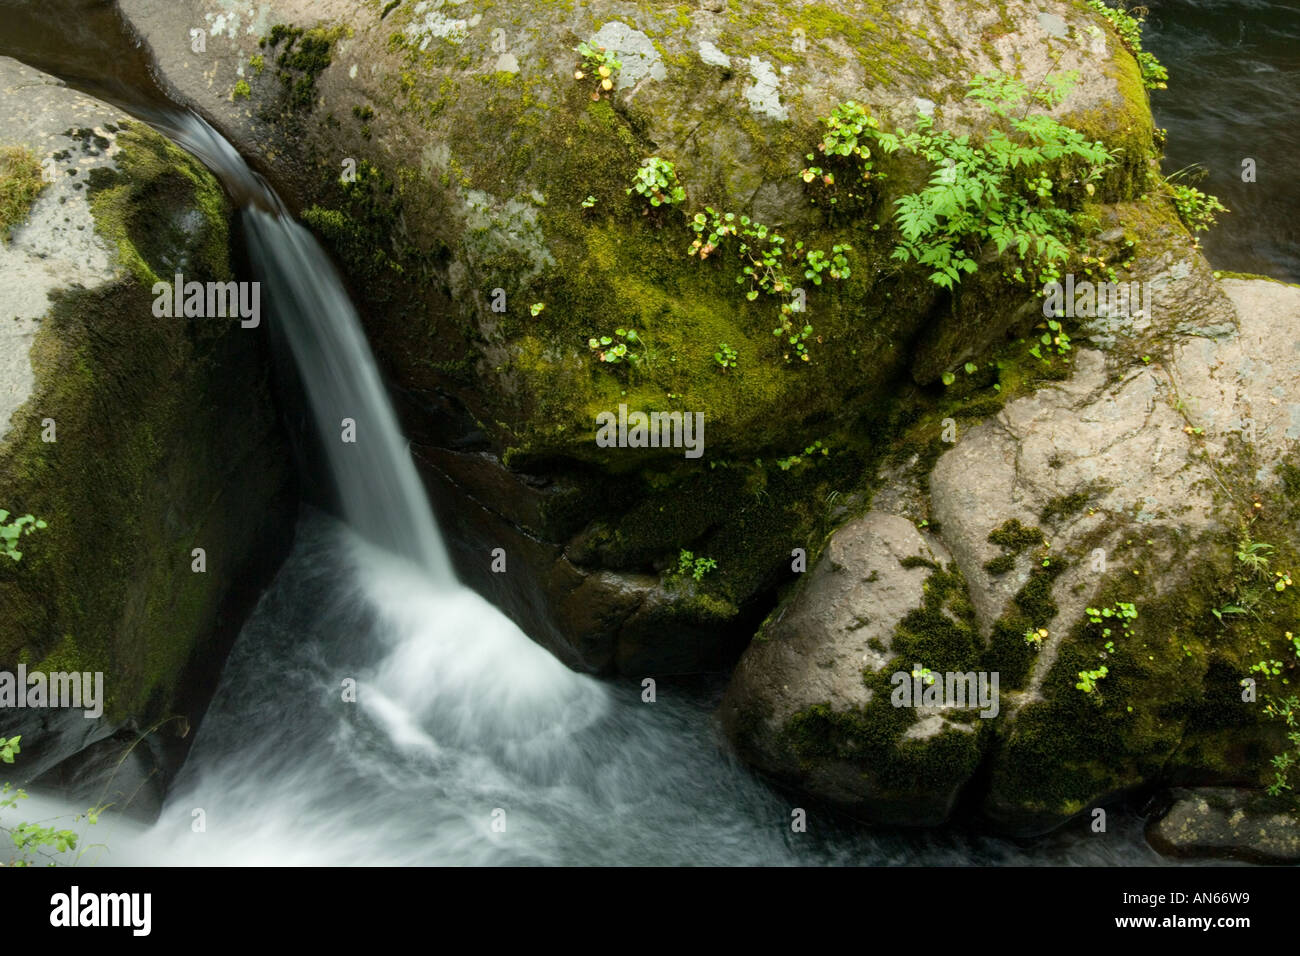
460, 722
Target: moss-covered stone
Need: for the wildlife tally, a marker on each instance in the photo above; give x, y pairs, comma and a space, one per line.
165, 441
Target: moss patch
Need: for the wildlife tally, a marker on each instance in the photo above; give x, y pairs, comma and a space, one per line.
303, 57
154, 205
20, 184
1013, 537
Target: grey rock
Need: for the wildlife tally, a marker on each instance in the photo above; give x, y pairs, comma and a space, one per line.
813, 651
1222, 822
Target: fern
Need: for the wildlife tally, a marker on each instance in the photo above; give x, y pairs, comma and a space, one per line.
1006, 190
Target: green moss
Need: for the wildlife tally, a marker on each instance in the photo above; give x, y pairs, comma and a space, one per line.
1065, 506
1126, 125
1032, 608
1001, 564
305, 55
981, 408
20, 184
1171, 705
1013, 537
369, 205
1253, 276
871, 739
143, 416
242, 90
940, 635
755, 513
129, 206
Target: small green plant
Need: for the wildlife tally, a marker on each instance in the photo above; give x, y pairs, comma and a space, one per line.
816, 262
697, 568
926, 675
589, 202
1267, 668
816, 448
1227, 609
611, 351
1088, 680
1254, 556
1196, 209
1129, 28
1286, 709
970, 368
536, 309
1034, 637
849, 131
33, 839
766, 263
257, 62
656, 182
599, 63
1055, 340
242, 90
12, 531
1120, 613
725, 356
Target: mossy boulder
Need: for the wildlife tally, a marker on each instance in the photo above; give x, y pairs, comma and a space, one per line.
135, 439
1148, 475
1128, 536
813, 700
477, 195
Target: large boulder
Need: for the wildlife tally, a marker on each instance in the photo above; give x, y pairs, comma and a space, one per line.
134, 439
810, 702
1138, 519
489, 234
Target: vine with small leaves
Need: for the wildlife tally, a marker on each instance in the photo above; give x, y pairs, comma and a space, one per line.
1129, 28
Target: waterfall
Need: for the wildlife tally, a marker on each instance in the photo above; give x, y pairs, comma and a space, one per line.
377, 484
381, 494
